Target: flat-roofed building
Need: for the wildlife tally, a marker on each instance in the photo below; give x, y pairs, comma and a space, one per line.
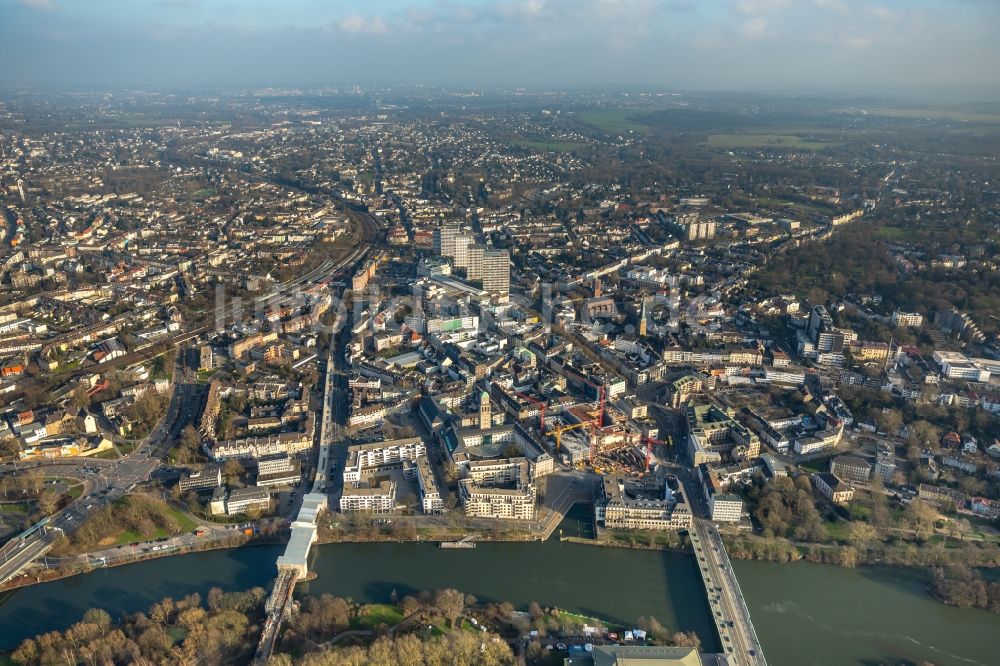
498, 489
363, 497
619, 509
712, 432
376, 455
851, 468
278, 470
885, 463
726, 508
239, 500
204, 479
430, 494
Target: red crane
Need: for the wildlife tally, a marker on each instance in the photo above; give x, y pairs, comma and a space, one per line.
541, 409
649, 442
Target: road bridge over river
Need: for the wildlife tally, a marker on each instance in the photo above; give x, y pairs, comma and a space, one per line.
725, 600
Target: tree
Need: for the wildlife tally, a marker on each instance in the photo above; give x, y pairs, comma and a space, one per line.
409, 605
861, 533
880, 509
215, 598
187, 447
685, 639
48, 501
889, 421
232, 470
409, 651
9, 447
450, 603
657, 633
924, 434
381, 653
97, 616
535, 652
920, 516
79, 398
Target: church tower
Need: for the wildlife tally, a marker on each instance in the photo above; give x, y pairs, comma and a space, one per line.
485, 411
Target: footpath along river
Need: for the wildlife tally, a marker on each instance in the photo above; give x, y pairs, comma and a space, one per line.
804, 613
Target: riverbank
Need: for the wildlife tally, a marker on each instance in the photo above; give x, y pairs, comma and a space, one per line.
751, 547
86, 566
614, 584
799, 609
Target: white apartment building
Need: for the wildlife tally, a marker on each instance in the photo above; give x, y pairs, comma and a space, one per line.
496, 271
380, 454
430, 494
498, 489
901, 319
239, 500
381, 499
462, 244
726, 508
444, 239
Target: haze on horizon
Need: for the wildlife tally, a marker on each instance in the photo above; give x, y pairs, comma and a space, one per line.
908, 47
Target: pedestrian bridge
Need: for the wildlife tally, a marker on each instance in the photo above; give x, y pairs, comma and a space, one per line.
296, 555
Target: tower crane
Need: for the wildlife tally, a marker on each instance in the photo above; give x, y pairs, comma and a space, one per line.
542, 406
559, 430
650, 442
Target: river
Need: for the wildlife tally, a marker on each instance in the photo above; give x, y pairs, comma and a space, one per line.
804, 613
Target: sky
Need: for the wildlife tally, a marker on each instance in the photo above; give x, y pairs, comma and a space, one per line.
929, 47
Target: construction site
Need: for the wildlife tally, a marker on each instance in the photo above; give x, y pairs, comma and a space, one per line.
592, 434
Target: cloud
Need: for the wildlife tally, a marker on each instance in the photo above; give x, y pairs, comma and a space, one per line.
754, 27
755, 7
37, 4
880, 12
356, 24
858, 41
838, 6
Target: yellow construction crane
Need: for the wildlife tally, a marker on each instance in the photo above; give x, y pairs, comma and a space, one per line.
559, 430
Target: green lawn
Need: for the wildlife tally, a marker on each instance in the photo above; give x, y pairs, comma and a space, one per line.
187, 525
177, 634
614, 120
764, 140
72, 366
128, 536
205, 375
892, 233
163, 366
183, 521
126, 447
838, 529
860, 510
373, 615
816, 465
16, 507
